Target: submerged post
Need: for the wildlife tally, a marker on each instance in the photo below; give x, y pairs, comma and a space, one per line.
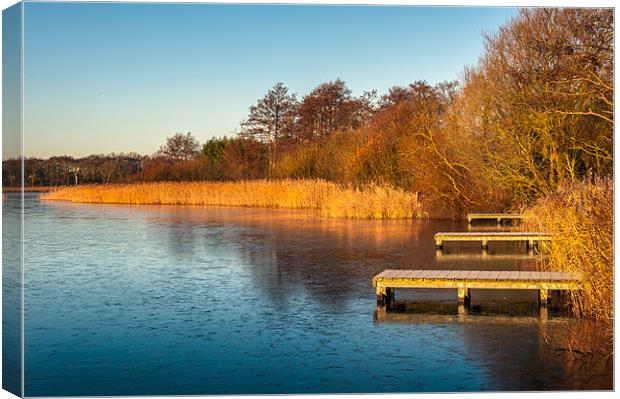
462, 310
544, 314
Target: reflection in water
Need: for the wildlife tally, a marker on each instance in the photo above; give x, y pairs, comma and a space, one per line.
187, 300
443, 256
520, 345
425, 312
524, 309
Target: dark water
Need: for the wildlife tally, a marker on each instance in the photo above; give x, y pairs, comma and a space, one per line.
124, 300
11, 296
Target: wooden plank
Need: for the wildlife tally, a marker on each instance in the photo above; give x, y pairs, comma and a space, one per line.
431, 274
388, 273
424, 274
503, 275
566, 276
407, 274
452, 274
399, 274
515, 275
396, 274
469, 274
545, 276
495, 216
416, 273
484, 275
443, 274
495, 236
462, 275
380, 275
558, 276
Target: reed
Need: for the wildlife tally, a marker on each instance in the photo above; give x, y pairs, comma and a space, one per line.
580, 217
329, 199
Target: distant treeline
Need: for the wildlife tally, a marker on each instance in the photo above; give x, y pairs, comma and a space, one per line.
66, 170
534, 113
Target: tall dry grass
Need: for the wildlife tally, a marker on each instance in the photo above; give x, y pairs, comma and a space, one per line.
329, 199
580, 217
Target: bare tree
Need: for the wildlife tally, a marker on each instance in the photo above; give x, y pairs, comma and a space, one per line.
541, 100
271, 119
180, 147
329, 107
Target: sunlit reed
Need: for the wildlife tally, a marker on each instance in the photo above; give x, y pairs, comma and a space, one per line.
329, 199
580, 217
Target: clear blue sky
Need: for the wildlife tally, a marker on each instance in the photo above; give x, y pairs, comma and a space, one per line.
103, 78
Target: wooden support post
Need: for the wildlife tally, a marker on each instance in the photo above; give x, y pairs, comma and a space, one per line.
499, 222
561, 298
381, 296
389, 297
439, 244
485, 244
463, 294
543, 297
469, 221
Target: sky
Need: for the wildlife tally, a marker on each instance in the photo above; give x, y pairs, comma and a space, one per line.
102, 78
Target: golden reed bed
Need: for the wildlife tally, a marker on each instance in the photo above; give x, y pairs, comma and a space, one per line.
331, 200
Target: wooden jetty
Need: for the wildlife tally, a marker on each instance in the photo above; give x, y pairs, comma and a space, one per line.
463, 280
530, 238
493, 216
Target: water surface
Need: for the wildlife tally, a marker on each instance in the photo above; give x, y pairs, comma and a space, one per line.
125, 300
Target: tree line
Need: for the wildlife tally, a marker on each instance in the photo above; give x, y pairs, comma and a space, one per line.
535, 112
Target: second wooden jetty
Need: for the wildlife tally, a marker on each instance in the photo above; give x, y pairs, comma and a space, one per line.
484, 237
493, 216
